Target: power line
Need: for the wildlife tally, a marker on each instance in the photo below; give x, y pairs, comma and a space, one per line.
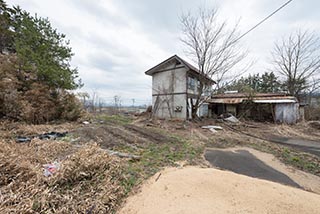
254, 27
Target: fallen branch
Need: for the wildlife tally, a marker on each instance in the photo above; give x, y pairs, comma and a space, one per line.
158, 177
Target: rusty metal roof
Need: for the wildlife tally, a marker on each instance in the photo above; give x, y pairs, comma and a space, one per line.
226, 100
246, 95
237, 98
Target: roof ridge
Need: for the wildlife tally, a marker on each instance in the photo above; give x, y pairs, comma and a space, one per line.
183, 61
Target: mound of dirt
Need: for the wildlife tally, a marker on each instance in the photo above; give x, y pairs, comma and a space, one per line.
206, 191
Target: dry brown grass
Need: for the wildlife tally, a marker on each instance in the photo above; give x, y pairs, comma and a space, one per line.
87, 182
300, 130
9, 130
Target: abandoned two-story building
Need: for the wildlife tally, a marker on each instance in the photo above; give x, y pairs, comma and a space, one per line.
174, 86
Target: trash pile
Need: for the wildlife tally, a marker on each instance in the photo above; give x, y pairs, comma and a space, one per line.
45, 136
231, 119
85, 180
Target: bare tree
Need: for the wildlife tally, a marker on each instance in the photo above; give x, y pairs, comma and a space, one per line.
213, 46
117, 103
93, 101
83, 96
100, 104
297, 59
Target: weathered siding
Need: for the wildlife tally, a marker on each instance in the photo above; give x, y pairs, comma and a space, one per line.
169, 92
172, 81
287, 113
176, 104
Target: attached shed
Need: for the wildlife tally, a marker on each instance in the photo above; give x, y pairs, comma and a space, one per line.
275, 107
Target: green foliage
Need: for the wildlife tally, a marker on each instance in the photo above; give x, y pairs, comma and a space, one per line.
269, 83
265, 83
300, 161
116, 119
156, 156
6, 35
35, 69
41, 49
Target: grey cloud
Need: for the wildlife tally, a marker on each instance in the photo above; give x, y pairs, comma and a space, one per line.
101, 62
159, 19
158, 14
122, 67
102, 43
294, 11
96, 10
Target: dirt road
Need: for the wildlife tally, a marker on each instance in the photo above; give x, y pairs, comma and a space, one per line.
207, 191
308, 146
243, 162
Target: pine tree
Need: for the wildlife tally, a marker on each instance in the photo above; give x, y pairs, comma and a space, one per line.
43, 50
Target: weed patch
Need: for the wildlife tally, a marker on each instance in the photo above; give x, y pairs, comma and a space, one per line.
115, 119
154, 157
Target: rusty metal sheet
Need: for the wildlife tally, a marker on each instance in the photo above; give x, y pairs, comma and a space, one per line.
227, 100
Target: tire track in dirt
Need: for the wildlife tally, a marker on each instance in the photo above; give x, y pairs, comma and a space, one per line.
125, 135
110, 136
149, 134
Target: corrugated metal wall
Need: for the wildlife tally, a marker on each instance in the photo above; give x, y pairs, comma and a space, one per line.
287, 113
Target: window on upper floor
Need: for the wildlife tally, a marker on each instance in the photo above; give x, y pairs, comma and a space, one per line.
191, 83
207, 91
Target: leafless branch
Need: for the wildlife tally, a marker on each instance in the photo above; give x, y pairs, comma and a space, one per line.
297, 58
212, 45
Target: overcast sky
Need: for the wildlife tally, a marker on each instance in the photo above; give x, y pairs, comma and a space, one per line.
116, 41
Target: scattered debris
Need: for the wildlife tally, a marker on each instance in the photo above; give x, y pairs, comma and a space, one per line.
50, 169
45, 136
86, 122
231, 119
23, 139
52, 135
213, 129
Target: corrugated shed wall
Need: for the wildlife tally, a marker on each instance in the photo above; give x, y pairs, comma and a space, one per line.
287, 113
